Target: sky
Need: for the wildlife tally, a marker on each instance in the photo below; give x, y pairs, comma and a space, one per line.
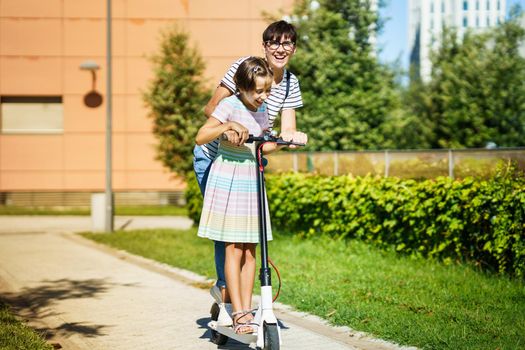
393, 41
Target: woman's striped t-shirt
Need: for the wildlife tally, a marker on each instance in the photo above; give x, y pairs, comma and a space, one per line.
275, 102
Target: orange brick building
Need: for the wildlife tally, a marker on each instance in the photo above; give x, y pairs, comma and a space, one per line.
49, 140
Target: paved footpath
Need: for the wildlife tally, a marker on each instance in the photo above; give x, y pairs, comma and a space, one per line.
86, 296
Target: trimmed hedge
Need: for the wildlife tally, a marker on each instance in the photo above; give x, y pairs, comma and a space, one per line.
193, 198
479, 221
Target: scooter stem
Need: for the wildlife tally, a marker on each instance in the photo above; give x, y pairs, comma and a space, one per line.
265, 274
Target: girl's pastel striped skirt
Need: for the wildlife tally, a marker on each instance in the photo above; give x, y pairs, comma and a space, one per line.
230, 209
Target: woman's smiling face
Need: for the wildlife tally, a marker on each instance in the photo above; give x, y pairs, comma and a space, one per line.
279, 51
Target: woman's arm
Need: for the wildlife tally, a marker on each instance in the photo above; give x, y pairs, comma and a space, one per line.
213, 128
288, 128
288, 124
288, 132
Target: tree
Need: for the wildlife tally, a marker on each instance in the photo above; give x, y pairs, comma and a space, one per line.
176, 98
347, 94
407, 128
477, 90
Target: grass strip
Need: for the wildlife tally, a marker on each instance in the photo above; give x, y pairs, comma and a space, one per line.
15, 335
144, 210
406, 300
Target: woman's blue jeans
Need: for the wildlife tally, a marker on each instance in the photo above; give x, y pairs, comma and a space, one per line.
201, 166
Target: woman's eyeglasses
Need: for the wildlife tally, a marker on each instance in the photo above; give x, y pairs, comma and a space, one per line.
274, 45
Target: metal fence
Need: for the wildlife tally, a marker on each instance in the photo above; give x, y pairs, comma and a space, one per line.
416, 164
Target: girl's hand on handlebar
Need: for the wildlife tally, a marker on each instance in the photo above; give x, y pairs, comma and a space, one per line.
236, 134
231, 136
295, 136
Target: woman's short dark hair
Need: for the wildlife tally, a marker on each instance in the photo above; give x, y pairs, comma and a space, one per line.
249, 70
278, 29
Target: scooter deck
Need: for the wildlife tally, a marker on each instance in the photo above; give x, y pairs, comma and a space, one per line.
228, 331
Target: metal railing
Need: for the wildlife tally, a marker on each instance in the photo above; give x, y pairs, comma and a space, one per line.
454, 163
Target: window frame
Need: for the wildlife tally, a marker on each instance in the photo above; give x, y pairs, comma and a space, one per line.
15, 99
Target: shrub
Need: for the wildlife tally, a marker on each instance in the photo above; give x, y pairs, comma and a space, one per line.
193, 198
477, 221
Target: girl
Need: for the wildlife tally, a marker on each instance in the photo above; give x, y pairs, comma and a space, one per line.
229, 211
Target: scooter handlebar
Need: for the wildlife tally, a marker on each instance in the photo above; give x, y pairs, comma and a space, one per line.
267, 137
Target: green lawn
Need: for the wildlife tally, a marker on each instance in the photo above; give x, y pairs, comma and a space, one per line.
405, 300
15, 335
119, 210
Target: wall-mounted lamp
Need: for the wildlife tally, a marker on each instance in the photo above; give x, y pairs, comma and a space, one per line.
92, 99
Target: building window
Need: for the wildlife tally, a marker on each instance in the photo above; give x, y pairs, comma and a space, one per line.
477, 5
488, 5
31, 115
465, 5
488, 22
477, 21
465, 22
432, 7
499, 5
443, 6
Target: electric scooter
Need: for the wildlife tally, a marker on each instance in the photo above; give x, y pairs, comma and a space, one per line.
268, 336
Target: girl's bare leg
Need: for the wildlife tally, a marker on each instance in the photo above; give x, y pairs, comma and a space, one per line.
232, 270
247, 275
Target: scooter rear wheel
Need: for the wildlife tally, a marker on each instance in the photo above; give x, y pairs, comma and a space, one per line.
271, 337
216, 337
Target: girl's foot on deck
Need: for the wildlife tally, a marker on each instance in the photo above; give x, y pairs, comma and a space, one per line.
242, 322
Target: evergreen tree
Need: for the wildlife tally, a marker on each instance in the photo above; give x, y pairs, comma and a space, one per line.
176, 98
347, 94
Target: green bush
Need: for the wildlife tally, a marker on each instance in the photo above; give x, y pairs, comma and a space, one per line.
470, 220
193, 198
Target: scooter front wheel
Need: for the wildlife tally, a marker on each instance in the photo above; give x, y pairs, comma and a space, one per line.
271, 337
216, 337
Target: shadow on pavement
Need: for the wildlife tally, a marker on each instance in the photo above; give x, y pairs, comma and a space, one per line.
36, 303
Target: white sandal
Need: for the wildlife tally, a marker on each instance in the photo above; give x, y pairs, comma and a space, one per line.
251, 326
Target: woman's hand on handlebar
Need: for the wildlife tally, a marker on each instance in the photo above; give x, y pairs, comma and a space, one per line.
236, 134
295, 136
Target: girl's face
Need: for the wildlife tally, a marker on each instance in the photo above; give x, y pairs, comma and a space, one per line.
254, 99
278, 52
